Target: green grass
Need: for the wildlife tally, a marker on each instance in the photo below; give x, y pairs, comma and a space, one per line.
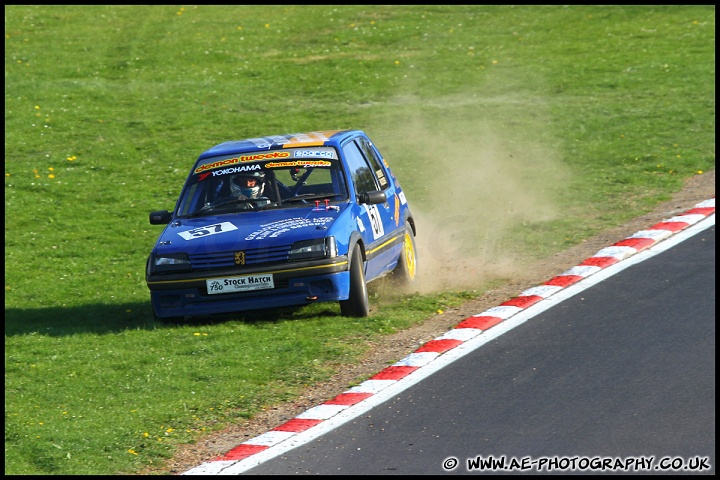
563, 121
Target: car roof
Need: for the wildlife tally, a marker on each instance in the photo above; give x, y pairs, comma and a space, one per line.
291, 140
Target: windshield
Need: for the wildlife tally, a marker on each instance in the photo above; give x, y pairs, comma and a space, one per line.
250, 182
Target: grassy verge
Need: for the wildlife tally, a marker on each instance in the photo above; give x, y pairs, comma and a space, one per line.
546, 125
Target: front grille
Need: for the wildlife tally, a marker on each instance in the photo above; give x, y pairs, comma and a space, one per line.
258, 256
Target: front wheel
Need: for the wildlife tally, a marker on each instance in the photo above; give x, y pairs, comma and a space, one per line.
357, 304
167, 320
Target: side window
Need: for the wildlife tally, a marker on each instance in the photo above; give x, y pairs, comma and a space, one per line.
190, 200
197, 195
374, 158
362, 175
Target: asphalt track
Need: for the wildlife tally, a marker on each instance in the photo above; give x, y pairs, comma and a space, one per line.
300, 440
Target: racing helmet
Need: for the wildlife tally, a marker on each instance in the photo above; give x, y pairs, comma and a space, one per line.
238, 184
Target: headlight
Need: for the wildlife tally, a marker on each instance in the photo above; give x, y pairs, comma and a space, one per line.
171, 263
309, 249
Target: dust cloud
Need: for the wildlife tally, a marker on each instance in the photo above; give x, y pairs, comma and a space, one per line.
471, 176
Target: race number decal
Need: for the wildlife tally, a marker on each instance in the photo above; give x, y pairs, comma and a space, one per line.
207, 230
375, 221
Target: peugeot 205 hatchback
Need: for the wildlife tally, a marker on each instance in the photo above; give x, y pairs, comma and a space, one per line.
280, 221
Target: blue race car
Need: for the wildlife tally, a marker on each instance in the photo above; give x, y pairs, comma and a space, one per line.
279, 221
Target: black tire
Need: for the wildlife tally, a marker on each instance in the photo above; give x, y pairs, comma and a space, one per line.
358, 304
168, 320
405, 271
171, 320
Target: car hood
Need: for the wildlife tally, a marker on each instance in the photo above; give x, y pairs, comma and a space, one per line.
246, 230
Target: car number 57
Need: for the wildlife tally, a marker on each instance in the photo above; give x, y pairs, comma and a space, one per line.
207, 230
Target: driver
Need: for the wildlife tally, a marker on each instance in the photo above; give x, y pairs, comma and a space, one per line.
247, 185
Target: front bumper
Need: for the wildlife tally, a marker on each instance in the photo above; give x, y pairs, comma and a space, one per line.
295, 284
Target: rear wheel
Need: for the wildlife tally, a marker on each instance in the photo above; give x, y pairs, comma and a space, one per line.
357, 304
406, 270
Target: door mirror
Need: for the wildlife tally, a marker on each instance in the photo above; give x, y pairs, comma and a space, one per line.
372, 198
160, 217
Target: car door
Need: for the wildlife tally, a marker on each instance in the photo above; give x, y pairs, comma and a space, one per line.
379, 224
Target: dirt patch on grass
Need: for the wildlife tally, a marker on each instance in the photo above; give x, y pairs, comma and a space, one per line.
395, 347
